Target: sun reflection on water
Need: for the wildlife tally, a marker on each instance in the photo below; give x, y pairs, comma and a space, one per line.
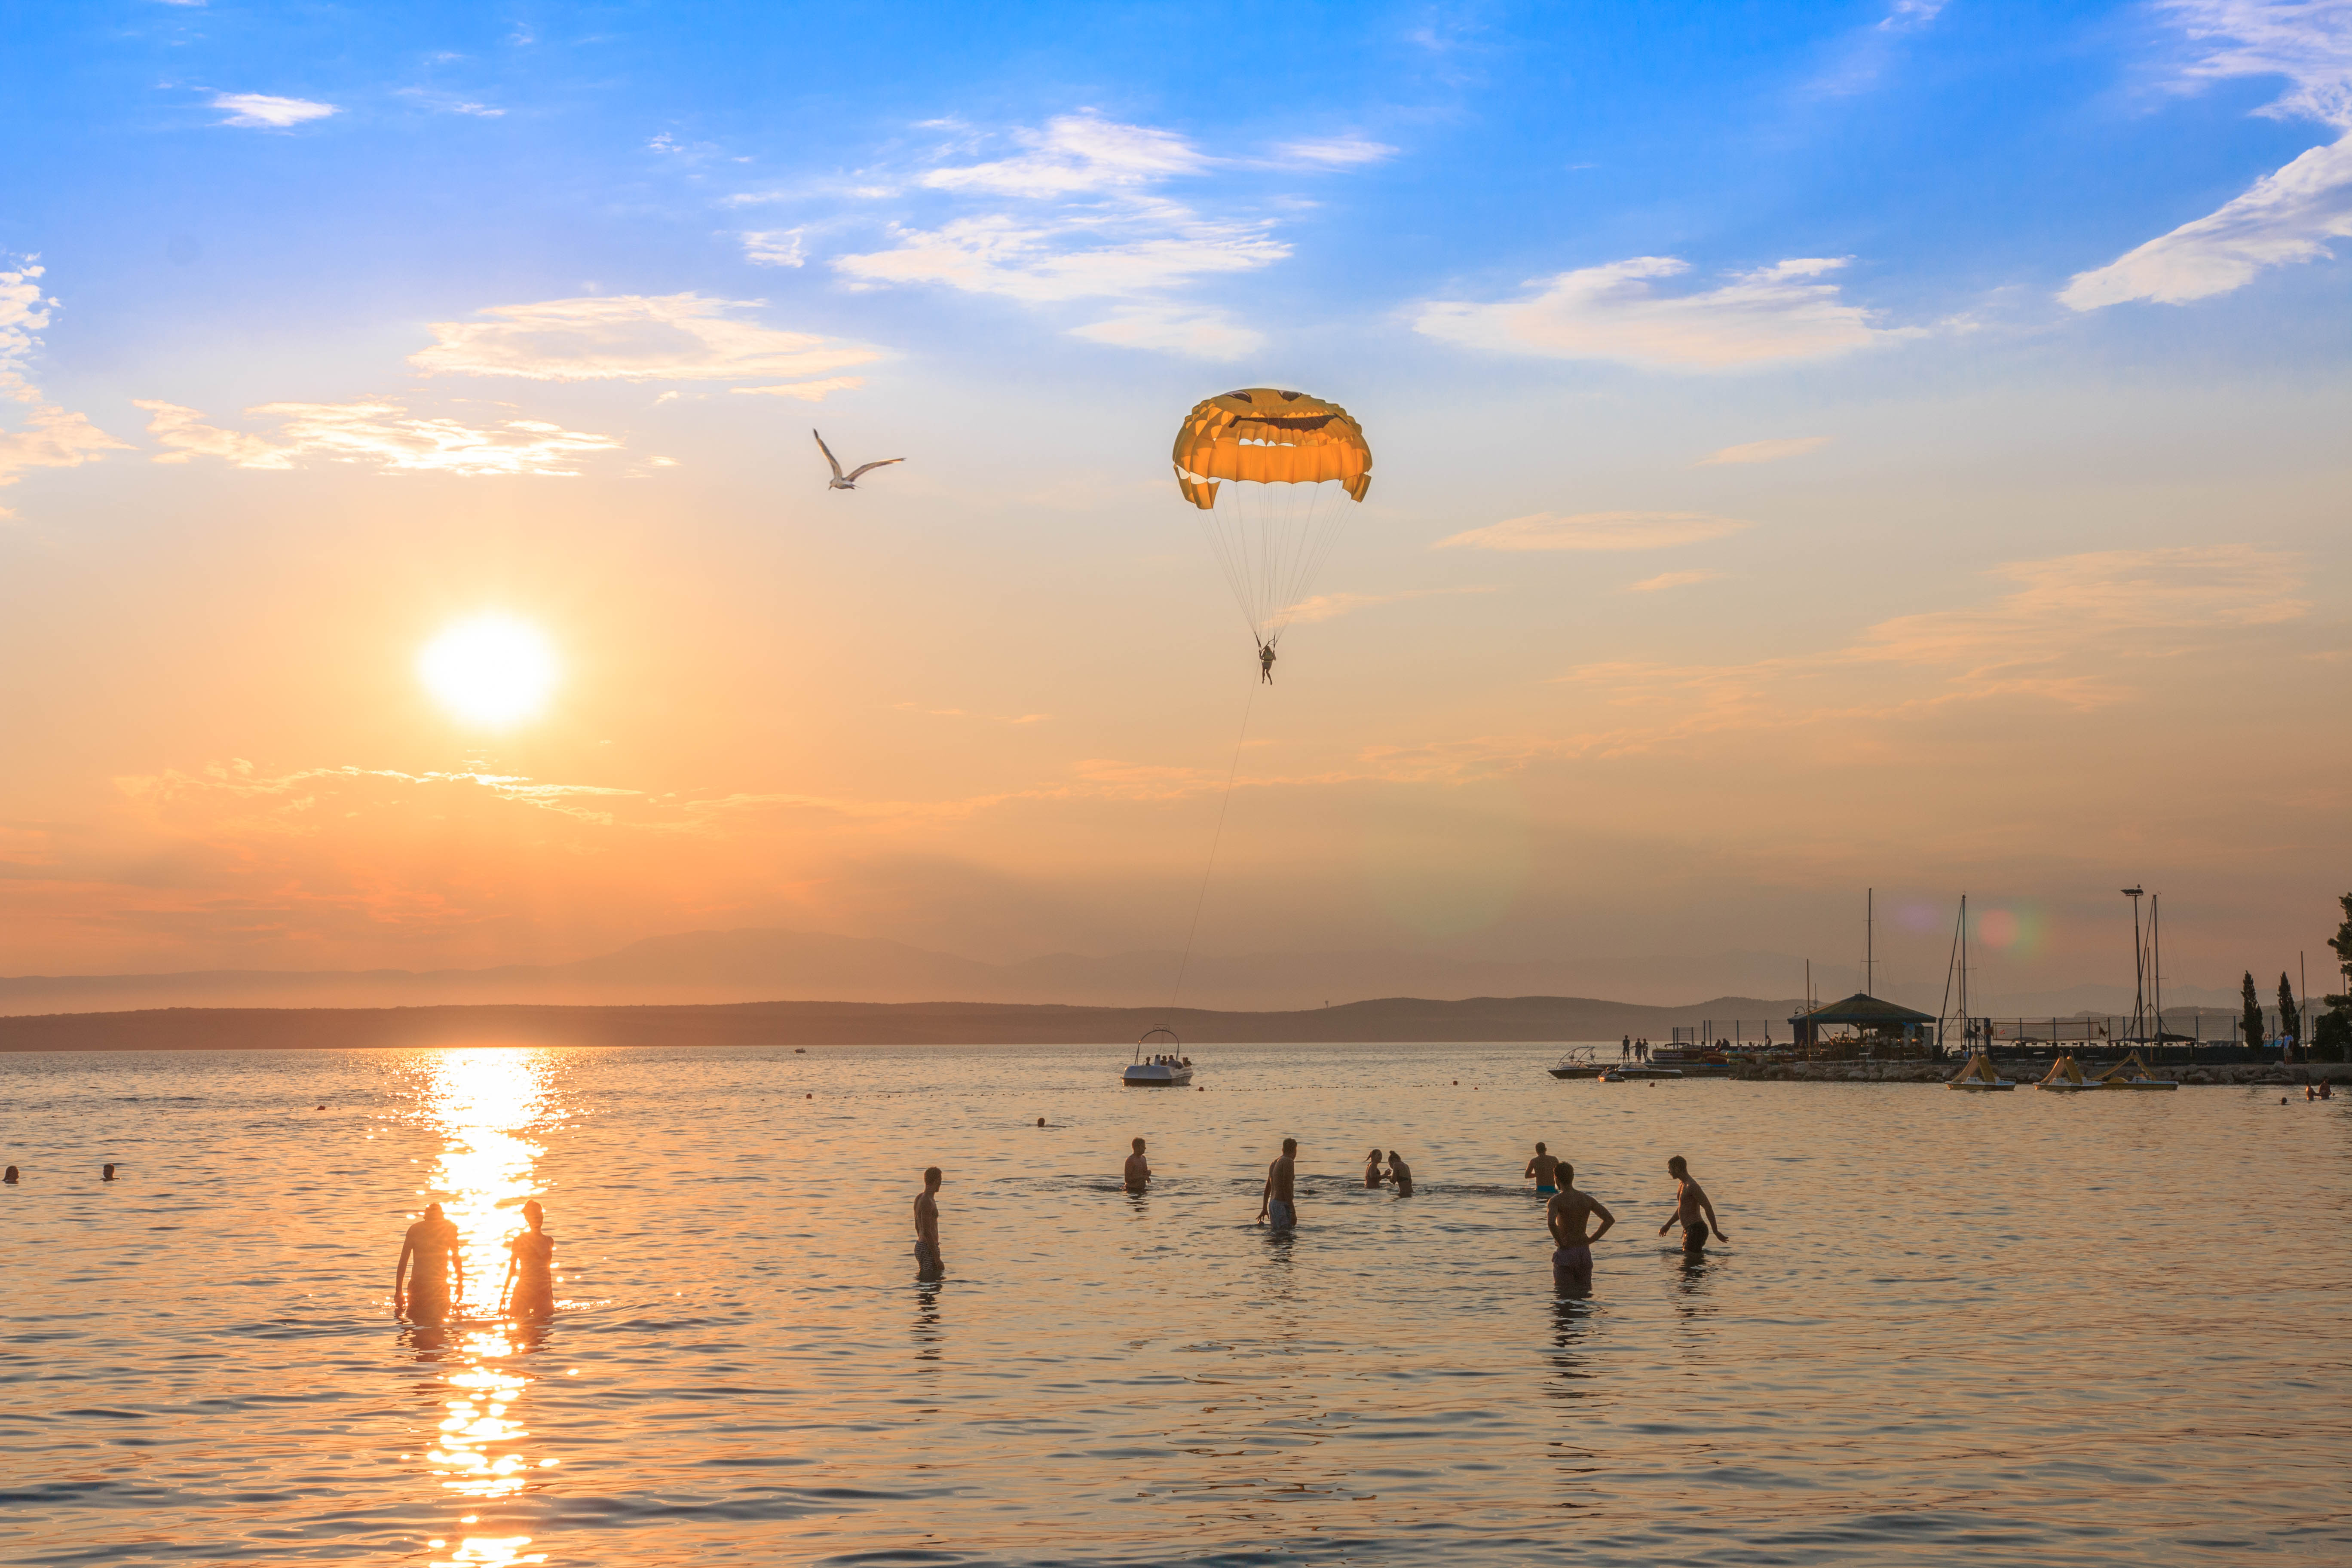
484, 1104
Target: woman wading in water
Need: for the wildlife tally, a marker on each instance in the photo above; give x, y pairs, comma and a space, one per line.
529, 1290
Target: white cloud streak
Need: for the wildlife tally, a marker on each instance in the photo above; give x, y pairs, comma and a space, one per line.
1178, 329
806, 391
1615, 312
1331, 606
1764, 451
264, 111
629, 337
2285, 217
774, 248
1076, 153
1334, 153
1610, 531
380, 434
1666, 580
50, 436
1034, 261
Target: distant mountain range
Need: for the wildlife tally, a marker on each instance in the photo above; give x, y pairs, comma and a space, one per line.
1400, 1019
771, 965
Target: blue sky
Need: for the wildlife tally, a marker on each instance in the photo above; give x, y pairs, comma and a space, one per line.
1737, 374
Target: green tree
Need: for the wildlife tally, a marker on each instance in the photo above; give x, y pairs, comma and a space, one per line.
2251, 1025
2290, 1016
2331, 1032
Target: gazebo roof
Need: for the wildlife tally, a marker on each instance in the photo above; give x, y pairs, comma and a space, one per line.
1861, 1008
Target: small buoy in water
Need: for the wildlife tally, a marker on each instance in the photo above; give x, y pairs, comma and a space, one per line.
1457, 1083
322, 1107
808, 1097
800, 1050
106, 1175
1041, 1121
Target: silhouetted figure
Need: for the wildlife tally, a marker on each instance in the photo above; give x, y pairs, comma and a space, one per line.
927, 1262
1373, 1176
107, 1173
10, 1179
438, 1281
1138, 1175
1279, 1205
1566, 1216
1401, 1173
1266, 663
1545, 1169
1692, 1208
528, 1288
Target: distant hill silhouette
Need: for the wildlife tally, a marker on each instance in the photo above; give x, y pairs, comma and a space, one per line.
1396, 1018
764, 965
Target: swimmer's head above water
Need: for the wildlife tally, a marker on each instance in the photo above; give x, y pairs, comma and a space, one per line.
931, 1178
1138, 1146
533, 1215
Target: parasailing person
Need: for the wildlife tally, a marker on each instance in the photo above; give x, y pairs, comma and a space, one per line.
1268, 470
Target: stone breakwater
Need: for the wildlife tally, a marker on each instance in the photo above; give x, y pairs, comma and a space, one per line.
1936, 1072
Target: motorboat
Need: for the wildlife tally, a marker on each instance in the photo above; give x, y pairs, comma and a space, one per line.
1160, 1062
1636, 1072
1979, 1075
1577, 1063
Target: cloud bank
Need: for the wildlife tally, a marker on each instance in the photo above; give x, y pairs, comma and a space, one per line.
260, 110
48, 435
1595, 530
629, 337
1616, 313
381, 436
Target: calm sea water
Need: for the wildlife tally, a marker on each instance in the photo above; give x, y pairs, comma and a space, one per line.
2016, 1328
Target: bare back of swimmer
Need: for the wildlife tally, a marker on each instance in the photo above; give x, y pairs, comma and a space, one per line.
1568, 1217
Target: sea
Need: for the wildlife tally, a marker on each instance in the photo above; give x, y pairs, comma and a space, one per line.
2016, 1328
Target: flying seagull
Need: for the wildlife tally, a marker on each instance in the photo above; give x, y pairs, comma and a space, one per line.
848, 481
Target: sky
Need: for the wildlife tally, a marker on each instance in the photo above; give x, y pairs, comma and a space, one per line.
1817, 448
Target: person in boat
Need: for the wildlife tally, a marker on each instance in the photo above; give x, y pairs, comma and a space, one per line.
1545, 1169
1566, 1216
927, 1262
1693, 1209
528, 1288
1401, 1173
1372, 1174
1266, 663
1278, 1206
1138, 1175
427, 1293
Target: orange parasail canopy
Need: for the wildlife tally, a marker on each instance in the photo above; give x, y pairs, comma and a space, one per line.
1269, 438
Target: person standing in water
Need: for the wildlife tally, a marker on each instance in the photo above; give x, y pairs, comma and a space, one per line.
1691, 1208
1545, 1169
927, 1263
1139, 1170
531, 1268
1372, 1169
1278, 1206
1401, 1173
1566, 1217
438, 1281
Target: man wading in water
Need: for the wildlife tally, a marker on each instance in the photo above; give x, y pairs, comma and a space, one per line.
1277, 1206
1542, 1168
1138, 1175
928, 1265
430, 1294
1566, 1216
1692, 1208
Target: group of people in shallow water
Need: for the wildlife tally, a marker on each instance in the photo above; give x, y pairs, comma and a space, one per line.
1570, 1214
430, 1291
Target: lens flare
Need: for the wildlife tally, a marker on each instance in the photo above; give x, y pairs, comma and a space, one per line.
491, 671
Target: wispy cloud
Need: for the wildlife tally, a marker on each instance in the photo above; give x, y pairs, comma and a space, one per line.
260, 110
1077, 213
2285, 217
1175, 329
449, 103
806, 391
379, 435
1764, 451
47, 436
629, 337
1331, 606
1666, 580
1616, 313
1334, 153
774, 248
1595, 530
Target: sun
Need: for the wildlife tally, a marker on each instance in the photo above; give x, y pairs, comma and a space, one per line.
491, 670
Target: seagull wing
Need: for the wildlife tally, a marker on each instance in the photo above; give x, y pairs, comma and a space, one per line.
867, 468
828, 454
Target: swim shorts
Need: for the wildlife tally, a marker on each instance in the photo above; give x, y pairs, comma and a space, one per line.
1544, 1192
1281, 1215
1695, 1236
1572, 1257
927, 1257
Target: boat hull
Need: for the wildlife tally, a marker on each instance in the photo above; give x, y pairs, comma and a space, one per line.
1148, 1076
1976, 1086
1641, 1075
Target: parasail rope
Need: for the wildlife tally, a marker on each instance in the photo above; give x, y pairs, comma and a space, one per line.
1214, 839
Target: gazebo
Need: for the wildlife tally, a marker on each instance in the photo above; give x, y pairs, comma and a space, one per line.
1877, 1023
